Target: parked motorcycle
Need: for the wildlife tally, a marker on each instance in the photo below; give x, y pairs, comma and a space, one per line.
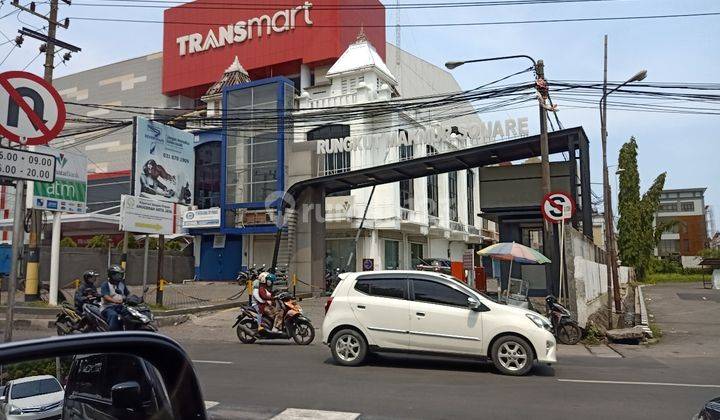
565, 328
136, 315
295, 325
69, 321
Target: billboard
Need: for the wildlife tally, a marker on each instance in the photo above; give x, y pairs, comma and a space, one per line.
145, 215
163, 162
69, 191
201, 39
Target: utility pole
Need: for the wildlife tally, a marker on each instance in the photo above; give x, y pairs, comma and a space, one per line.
548, 232
606, 199
17, 243
160, 282
32, 272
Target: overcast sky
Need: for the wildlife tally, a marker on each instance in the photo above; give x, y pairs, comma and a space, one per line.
687, 147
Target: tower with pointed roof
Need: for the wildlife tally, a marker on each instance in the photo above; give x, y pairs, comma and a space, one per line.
233, 75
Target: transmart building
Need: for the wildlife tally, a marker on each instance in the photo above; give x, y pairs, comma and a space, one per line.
309, 60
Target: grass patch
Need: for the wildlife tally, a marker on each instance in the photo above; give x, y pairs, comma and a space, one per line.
656, 278
593, 335
656, 331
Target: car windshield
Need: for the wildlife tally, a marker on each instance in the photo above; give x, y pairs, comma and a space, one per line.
33, 388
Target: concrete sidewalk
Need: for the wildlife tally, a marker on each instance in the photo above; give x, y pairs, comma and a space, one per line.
687, 314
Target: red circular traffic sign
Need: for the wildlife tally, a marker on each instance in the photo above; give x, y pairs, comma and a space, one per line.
557, 206
31, 110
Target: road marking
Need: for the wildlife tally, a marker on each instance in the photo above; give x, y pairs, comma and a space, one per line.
210, 404
299, 414
585, 381
213, 362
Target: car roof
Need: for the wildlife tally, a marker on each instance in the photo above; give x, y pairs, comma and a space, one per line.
31, 378
439, 276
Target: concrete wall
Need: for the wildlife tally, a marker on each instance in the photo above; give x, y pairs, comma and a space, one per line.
587, 275
74, 261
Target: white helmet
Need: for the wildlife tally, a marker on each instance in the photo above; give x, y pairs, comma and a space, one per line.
262, 278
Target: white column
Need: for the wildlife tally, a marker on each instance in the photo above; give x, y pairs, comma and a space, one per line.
304, 76
55, 259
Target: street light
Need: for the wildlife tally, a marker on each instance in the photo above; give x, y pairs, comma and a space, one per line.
541, 86
609, 225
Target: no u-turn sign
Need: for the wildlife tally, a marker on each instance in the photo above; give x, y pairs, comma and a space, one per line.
31, 110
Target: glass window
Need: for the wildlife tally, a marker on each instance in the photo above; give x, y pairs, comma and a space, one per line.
533, 238
687, 206
416, 255
33, 388
252, 149
434, 292
471, 197
432, 187
392, 255
407, 189
668, 206
452, 194
337, 253
391, 288
88, 378
207, 175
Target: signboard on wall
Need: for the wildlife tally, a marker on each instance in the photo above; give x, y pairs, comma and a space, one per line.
368, 264
200, 40
163, 162
68, 193
206, 218
145, 215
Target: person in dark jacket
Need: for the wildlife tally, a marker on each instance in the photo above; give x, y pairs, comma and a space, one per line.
86, 292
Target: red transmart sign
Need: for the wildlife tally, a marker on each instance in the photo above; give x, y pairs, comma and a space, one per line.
270, 37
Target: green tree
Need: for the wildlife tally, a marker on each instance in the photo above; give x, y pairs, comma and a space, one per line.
132, 243
637, 238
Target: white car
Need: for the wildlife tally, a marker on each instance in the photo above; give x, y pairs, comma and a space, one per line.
33, 397
423, 312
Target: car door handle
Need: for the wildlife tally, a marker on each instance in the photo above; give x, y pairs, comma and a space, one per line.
420, 314
361, 306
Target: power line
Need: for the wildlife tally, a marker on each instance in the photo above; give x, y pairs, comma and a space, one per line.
358, 6
432, 25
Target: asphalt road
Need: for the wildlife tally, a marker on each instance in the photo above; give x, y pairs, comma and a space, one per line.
262, 380
278, 379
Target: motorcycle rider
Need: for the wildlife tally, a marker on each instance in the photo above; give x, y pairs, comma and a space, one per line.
262, 302
86, 291
113, 293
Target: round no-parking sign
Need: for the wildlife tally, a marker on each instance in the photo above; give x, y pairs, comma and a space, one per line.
557, 206
31, 110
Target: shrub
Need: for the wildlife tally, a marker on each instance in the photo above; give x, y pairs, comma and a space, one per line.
67, 242
665, 266
98, 241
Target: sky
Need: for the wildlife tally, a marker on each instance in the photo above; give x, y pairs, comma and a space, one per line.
687, 147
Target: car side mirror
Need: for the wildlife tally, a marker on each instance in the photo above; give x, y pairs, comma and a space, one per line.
125, 395
474, 304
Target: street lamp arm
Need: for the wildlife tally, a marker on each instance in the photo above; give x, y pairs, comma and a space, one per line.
454, 64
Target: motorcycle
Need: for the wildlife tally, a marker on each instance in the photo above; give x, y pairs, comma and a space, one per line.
295, 325
70, 320
565, 328
135, 315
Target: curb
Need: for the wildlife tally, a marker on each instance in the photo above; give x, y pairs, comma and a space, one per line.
642, 310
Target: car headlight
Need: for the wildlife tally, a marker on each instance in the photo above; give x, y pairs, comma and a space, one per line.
539, 321
15, 411
138, 315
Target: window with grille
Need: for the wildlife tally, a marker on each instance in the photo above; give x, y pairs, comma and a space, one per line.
432, 187
471, 197
452, 195
407, 189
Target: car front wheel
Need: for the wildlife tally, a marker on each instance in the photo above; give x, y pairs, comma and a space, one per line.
512, 355
348, 347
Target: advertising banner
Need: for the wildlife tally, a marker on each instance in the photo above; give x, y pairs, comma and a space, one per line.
68, 193
145, 215
207, 218
163, 162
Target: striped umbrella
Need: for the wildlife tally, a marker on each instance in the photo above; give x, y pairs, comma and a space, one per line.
511, 251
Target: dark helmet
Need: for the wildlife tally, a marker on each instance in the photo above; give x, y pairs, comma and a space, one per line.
90, 276
115, 274
550, 299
